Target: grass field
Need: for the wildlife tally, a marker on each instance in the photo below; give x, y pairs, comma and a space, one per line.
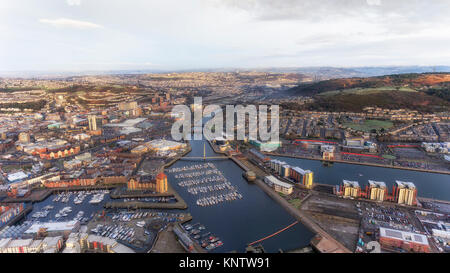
369, 125
295, 202
387, 156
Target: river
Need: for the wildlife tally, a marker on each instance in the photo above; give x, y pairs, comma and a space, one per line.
430, 185
245, 220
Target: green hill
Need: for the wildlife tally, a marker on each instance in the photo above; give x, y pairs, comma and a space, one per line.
428, 92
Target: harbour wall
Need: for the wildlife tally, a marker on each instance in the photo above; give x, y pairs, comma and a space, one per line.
359, 163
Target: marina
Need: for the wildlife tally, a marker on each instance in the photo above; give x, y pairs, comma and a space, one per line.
207, 182
66, 206
115, 231
241, 221
164, 199
203, 237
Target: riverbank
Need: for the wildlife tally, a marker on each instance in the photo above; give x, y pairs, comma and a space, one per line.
296, 213
359, 163
178, 157
305, 220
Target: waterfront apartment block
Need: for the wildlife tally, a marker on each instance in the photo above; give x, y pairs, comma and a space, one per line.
377, 190
405, 193
351, 189
305, 177
278, 185
149, 182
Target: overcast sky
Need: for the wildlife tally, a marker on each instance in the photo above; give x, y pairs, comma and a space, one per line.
196, 34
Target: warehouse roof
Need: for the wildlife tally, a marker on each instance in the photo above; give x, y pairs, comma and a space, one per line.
403, 235
17, 176
55, 226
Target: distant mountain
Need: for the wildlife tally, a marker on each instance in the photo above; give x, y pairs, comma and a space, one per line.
427, 92
324, 73
317, 73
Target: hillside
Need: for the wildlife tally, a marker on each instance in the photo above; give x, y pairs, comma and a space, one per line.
428, 92
400, 80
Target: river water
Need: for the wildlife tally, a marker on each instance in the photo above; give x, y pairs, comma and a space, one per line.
245, 220
430, 185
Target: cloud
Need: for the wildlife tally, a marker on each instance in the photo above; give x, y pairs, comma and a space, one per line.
73, 2
65, 22
225, 33
374, 2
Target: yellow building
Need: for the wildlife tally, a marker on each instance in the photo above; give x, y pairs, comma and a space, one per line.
148, 182
406, 193
377, 190
161, 183
326, 155
278, 185
351, 189
301, 176
308, 179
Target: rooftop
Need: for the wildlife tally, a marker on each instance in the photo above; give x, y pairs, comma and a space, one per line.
278, 182
403, 235
348, 183
379, 184
403, 184
54, 226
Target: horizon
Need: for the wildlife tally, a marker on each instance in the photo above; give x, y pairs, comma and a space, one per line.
294, 69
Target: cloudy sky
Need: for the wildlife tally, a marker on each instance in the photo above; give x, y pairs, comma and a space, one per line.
51, 35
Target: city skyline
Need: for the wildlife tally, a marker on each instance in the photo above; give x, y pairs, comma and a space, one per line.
77, 35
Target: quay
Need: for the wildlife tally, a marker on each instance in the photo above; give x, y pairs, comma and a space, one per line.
166, 241
359, 163
296, 213
300, 216
144, 205
180, 204
39, 195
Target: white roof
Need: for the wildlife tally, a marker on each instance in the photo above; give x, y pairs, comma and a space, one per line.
55, 226
441, 233
354, 184
404, 184
4, 242
127, 123
278, 182
162, 143
17, 176
20, 242
301, 171
403, 235
51, 241
377, 183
